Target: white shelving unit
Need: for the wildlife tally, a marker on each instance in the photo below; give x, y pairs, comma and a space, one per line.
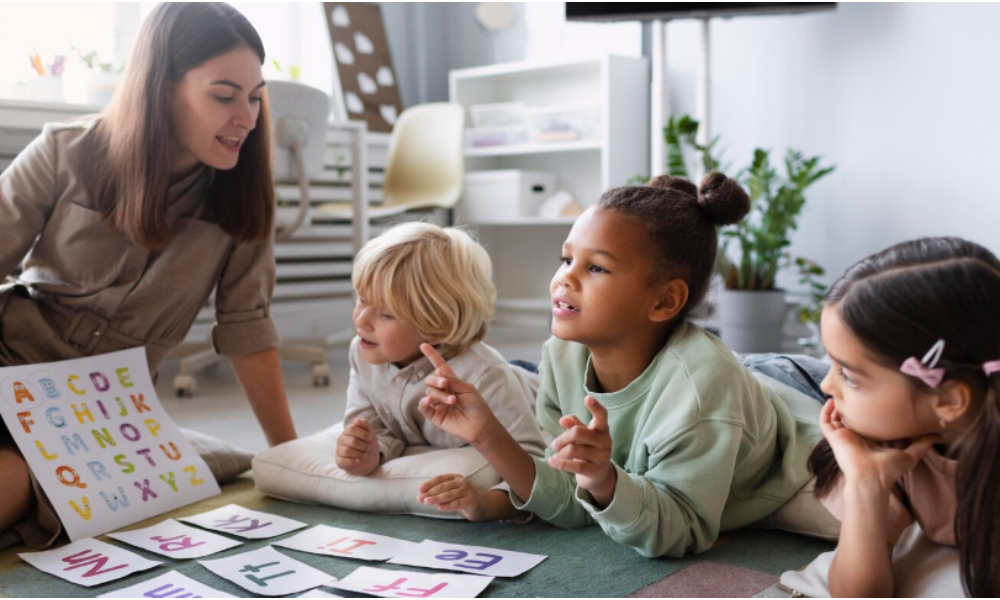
525, 251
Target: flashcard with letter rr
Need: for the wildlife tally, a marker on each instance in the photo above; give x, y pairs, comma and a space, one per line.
176, 540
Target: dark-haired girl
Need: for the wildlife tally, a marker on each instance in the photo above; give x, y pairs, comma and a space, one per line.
661, 436
125, 223
913, 427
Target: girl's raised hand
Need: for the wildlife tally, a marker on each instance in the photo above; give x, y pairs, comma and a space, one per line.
585, 451
870, 463
452, 404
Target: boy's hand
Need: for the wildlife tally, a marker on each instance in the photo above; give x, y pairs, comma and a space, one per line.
452, 404
585, 451
453, 493
357, 449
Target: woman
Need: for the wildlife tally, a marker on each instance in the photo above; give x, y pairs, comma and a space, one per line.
128, 221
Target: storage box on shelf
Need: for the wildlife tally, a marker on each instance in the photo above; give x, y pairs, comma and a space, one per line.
507, 196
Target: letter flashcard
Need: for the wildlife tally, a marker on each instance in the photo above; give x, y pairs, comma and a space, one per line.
331, 541
168, 585
88, 562
176, 540
405, 584
268, 572
246, 523
468, 559
318, 593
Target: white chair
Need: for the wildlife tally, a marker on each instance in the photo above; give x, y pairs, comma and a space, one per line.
425, 167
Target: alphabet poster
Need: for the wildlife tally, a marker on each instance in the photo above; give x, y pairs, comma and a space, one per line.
99, 442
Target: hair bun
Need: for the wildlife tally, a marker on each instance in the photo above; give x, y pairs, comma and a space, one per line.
724, 201
668, 182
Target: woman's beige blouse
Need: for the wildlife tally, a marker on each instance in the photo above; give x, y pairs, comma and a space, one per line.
89, 290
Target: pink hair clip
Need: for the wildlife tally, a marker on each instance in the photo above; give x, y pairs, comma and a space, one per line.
991, 367
925, 368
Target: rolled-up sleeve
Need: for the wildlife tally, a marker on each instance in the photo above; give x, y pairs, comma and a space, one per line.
243, 323
27, 197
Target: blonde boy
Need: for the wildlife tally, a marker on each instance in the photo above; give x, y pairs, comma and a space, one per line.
420, 283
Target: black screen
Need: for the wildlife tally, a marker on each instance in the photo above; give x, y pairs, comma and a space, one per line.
645, 11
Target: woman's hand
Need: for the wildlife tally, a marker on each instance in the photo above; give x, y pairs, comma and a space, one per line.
357, 449
452, 404
585, 451
872, 465
453, 492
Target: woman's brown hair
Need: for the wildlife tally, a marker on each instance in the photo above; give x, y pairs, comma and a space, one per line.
128, 162
901, 301
681, 223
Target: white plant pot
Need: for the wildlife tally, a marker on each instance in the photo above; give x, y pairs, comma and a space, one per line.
100, 86
752, 321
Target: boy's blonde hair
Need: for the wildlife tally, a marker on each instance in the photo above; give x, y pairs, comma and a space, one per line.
439, 279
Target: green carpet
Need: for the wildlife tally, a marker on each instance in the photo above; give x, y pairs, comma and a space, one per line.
580, 563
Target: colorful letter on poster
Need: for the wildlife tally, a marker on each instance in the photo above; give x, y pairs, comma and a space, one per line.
99, 442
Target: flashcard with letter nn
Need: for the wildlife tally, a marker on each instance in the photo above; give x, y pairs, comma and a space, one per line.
88, 562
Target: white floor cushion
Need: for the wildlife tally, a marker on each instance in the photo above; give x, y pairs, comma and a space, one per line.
921, 569
305, 470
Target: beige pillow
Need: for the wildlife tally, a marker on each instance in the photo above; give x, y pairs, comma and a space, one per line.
305, 470
803, 514
920, 568
224, 460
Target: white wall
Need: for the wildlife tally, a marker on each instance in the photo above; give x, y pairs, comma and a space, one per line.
903, 98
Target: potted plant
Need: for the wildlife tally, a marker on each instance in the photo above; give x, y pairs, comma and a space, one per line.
751, 309
103, 77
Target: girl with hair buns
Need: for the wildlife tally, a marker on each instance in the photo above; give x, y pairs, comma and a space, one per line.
913, 424
660, 435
